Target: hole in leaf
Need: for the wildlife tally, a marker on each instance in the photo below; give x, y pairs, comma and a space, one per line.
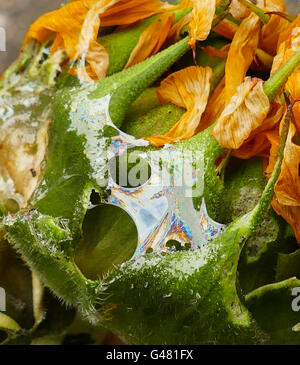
129, 170
174, 245
109, 238
95, 198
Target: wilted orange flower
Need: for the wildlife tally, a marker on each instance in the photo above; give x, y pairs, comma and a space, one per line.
87, 48
241, 53
75, 28
245, 113
270, 33
152, 39
262, 139
272, 5
215, 52
238, 10
273, 29
260, 145
286, 201
215, 107
188, 88
202, 17
226, 29
174, 34
130, 11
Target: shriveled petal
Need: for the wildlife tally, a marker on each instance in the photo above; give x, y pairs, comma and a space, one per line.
287, 188
271, 32
261, 140
66, 21
289, 43
91, 25
247, 110
272, 5
241, 53
215, 52
286, 201
75, 27
226, 29
152, 39
274, 140
174, 33
238, 11
202, 17
215, 107
188, 88
290, 214
98, 60
259, 145
130, 11
88, 49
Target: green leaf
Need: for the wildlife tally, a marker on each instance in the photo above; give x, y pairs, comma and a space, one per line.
109, 238
288, 266
271, 305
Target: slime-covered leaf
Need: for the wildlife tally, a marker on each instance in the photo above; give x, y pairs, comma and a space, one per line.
197, 288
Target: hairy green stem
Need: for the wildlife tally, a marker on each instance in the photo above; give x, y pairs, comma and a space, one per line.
268, 193
275, 83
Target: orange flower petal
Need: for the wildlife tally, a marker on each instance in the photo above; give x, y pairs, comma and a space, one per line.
226, 29
271, 32
238, 10
67, 21
98, 59
75, 27
287, 188
215, 107
88, 49
286, 201
272, 5
246, 112
261, 140
289, 43
290, 214
131, 11
259, 145
274, 140
152, 39
188, 88
202, 17
215, 52
241, 53
174, 34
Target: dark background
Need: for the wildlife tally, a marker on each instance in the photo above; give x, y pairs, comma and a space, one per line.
17, 15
